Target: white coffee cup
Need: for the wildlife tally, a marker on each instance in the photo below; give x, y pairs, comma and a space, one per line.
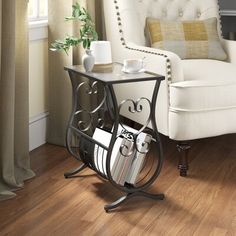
133, 65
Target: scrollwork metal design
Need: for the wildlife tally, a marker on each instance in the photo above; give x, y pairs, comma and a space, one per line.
136, 107
101, 120
92, 89
85, 124
136, 146
82, 124
126, 150
142, 147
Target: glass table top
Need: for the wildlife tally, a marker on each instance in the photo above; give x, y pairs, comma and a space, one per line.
114, 74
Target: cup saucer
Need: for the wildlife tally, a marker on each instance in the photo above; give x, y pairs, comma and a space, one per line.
133, 72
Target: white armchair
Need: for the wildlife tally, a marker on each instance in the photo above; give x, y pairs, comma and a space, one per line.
198, 97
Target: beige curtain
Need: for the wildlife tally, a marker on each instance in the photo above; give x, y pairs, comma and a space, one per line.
14, 115
59, 82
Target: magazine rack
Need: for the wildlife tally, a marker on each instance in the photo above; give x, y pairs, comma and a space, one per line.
99, 86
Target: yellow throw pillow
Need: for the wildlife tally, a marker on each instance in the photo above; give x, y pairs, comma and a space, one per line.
189, 39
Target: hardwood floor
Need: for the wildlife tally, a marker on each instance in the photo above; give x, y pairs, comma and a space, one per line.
203, 204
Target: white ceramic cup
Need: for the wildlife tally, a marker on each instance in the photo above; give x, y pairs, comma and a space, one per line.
133, 65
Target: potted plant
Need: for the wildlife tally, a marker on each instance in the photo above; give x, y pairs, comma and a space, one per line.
87, 35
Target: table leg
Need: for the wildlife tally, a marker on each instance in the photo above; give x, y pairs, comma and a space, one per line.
131, 195
72, 173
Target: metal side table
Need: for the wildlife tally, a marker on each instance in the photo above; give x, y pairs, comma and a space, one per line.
99, 86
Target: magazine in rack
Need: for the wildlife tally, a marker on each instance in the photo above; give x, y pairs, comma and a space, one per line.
126, 162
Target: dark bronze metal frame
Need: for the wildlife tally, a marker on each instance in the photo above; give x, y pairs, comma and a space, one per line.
110, 104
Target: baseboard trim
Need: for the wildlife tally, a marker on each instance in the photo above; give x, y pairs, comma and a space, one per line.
38, 130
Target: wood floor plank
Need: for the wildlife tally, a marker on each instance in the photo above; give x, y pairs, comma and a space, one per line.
202, 204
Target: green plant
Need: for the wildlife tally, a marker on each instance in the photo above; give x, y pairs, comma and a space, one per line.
87, 31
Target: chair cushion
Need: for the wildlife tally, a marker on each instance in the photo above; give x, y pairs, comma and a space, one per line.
204, 69
196, 39
208, 85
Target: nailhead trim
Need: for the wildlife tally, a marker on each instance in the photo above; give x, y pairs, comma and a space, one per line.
221, 33
122, 39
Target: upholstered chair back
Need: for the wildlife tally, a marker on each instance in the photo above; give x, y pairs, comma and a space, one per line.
132, 14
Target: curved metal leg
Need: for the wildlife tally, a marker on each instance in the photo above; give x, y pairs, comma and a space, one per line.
73, 172
160, 196
117, 202
130, 195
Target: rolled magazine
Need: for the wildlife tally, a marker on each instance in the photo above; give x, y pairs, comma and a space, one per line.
126, 162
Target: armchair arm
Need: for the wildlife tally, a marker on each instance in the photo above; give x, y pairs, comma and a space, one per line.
230, 48
157, 61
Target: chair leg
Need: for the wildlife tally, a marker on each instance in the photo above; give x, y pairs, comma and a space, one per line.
183, 148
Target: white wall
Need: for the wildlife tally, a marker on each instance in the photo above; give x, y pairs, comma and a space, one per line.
38, 85
38, 77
